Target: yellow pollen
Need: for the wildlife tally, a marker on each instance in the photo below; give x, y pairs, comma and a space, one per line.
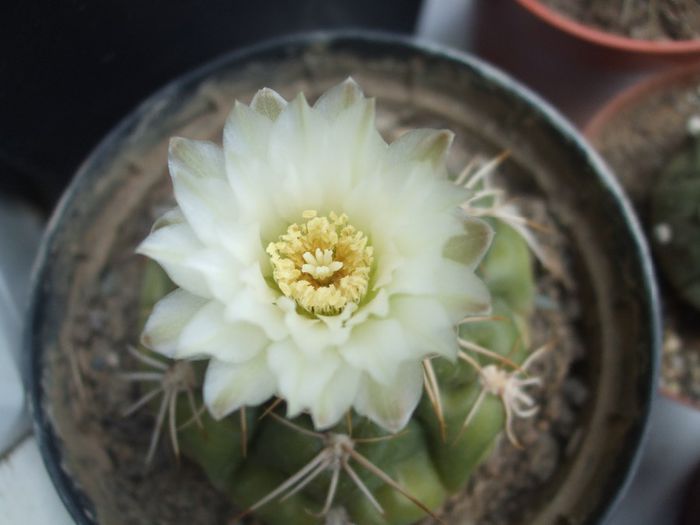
323, 264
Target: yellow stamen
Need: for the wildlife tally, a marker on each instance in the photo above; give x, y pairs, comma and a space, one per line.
323, 264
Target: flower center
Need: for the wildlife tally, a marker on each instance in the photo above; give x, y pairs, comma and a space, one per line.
323, 264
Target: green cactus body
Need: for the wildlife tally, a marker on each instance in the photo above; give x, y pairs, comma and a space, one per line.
426, 464
675, 216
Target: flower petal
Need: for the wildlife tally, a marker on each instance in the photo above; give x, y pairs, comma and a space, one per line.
339, 98
461, 291
312, 336
301, 379
269, 103
220, 270
209, 334
469, 249
250, 307
172, 246
246, 133
377, 347
201, 188
391, 405
428, 324
228, 387
421, 145
335, 401
198, 158
170, 217
169, 316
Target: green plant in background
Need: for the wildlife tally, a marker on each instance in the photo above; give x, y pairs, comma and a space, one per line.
353, 283
675, 214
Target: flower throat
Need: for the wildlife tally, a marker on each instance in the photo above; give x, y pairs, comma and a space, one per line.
323, 264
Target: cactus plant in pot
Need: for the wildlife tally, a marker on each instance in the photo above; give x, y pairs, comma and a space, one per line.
346, 326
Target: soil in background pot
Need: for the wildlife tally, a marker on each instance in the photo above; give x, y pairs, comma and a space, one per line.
638, 142
638, 19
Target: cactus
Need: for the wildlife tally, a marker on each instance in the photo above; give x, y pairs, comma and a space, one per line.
429, 463
395, 333
675, 215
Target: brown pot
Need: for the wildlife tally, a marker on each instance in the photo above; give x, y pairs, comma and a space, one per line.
664, 48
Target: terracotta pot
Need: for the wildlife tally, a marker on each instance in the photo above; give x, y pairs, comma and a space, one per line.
665, 48
577, 75
100, 219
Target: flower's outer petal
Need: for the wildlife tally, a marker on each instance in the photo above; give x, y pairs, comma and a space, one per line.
421, 145
170, 217
246, 134
357, 149
249, 307
337, 398
228, 387
169, 316
417, 275
301, 379
339, 98
461, 292
243, 242
469, 248
269, 103
209, 334
377, 347
454, 284
198, 158
202, 189
298, 137
391, 405
427, 323
171, 247
220, 270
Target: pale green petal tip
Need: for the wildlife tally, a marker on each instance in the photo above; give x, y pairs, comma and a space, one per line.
169, 218
471, 247
269, 103
182, 150
424, 145
340, 97
434, 147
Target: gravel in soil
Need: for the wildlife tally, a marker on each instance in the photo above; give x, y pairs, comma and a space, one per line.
639, 19
638, 143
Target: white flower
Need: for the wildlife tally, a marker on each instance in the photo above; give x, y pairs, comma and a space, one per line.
314, 261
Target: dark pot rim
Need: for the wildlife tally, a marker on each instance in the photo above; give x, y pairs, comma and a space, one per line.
75, 501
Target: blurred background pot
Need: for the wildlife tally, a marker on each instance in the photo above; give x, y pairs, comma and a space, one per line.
558, 64
82, 316
638, 133
665, 48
